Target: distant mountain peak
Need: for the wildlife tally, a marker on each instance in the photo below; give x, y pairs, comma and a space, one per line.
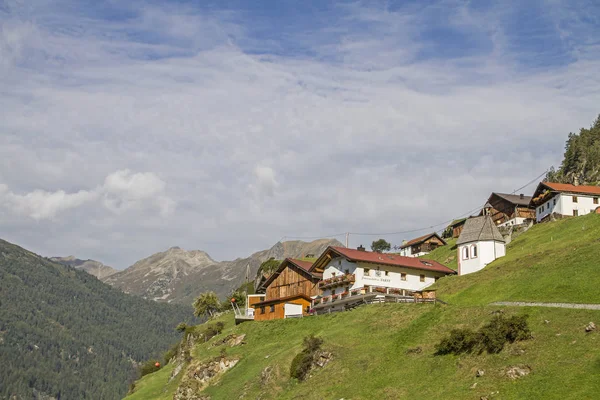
92, 267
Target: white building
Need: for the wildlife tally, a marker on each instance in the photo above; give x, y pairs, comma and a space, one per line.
350, 275
422, 245
564, 199
479, 244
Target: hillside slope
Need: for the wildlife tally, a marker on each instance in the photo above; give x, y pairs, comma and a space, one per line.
551, 262
387, 351
177, 275
92, 267
64, 334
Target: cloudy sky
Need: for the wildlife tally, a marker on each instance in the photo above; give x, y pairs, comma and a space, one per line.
127, 127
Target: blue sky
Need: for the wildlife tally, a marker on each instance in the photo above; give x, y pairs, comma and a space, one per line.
130, 127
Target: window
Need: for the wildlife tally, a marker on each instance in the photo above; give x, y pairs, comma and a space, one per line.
340, 263
332, 291
403, 276
262, 309
346, 271
465, 252
436, 278
422, 278
575, 213
574, 199
554, 202
542, 208
595, 200
387, 273
367, 270
272, 308
474, 251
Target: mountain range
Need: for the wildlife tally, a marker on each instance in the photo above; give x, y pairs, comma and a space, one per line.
92, 267
177, 275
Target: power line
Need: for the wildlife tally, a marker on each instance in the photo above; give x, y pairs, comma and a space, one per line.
445, 223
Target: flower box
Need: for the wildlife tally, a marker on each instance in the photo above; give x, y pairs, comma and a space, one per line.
380, 290
317, 301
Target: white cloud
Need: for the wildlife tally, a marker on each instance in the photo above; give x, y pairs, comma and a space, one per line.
41, 204
264, 182
121, 191
362, 132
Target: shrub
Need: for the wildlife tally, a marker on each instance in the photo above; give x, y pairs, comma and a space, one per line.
172, 352
182, 327
303, 362
459, 341
148, 367
213, 330
491, 337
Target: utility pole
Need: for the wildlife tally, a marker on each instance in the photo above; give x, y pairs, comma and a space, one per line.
347, 236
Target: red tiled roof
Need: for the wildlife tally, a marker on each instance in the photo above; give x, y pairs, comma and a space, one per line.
392, 259
421, 240
566, 187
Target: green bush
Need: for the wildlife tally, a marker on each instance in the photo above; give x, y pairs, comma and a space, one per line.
302, 363
459, 341
172, 352
213, 330
491, 337
148, 367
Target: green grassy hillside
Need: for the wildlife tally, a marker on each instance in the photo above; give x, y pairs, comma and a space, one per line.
445, 254
552, 262
371, 343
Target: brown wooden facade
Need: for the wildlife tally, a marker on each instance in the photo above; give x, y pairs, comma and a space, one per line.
425, 243
503, 207
290, 283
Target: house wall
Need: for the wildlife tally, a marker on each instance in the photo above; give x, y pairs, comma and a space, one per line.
393, 279
487, 251
563, 204
279, 310
514, 221
291, 282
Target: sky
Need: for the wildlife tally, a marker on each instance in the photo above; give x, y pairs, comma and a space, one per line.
225, 126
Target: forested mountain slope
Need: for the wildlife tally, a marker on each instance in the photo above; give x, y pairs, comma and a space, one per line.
581, 163
66, 335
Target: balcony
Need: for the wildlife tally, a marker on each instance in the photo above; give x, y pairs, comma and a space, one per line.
342, 280
373, 294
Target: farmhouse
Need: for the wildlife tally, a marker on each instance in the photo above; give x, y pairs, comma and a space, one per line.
288, 291
509, 209
563, 199
479, 244
421, 245
357, 276
455, 228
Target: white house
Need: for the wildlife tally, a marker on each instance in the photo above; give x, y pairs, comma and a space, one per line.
479, 244
350, 275
422, 245
564, 199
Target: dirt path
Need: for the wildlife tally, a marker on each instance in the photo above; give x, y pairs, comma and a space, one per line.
555, 305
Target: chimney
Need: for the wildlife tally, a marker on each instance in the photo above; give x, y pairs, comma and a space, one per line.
521, 196
360, 248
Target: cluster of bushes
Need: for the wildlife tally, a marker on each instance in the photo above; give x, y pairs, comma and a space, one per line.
491, 337
149, 367
302, 363
213, 330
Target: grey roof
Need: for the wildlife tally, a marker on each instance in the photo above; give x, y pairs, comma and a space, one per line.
479, 229
514, 198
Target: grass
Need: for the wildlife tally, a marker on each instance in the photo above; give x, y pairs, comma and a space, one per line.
552, 262
445, 254
370, 343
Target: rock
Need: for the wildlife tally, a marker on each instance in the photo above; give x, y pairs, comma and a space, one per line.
415, 350
473, 386
176, 371
546, 321
267, 356
480, 373
483, 398
517, 371
231, 340
266, 375
323, 358
590, 327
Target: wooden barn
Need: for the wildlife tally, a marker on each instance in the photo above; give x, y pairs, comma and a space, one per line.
288, 291
508, 209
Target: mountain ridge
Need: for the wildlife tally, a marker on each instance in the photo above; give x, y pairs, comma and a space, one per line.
92, 267
178, 275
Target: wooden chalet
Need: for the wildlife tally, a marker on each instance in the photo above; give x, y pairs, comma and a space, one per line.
456, 227
509, 209
422, 245
288, 291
